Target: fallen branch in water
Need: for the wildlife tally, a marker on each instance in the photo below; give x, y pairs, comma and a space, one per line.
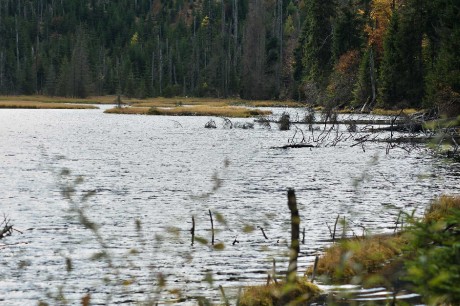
295, 146
7, 229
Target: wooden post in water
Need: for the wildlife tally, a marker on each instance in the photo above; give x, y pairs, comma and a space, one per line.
263, 232
295, 233
315, 267
335, 227
212, 227
192, 230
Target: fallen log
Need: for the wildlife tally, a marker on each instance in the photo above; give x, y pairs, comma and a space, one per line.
415, 139
345, 122
295, 146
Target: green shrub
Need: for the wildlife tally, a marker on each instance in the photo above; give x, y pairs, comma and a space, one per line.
434, 268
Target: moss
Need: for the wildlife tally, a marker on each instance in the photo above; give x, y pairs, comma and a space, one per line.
280, 294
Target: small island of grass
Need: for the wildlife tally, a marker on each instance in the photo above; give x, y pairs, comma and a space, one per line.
196, 110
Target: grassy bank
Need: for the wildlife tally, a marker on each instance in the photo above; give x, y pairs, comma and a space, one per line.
358, 257
425, 256
198, 110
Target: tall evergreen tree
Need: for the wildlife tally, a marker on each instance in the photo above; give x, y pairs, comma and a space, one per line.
313, 56
391, 66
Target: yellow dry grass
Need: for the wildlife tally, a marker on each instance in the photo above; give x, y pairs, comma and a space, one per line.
155, 102
441, 208
198, 110
171, 102
390, 112
42, 105
359, 256
279, 294
47, 99
128, 110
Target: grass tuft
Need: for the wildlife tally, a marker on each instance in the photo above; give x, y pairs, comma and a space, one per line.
358, 256
280, 294
441, 208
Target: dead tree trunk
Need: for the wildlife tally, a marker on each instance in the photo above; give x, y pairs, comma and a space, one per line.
295, 233
212, 228
192, 230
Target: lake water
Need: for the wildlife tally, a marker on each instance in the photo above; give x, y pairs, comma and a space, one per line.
161, 171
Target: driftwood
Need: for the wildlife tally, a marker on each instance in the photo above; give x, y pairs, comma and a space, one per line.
295, 146
7, 229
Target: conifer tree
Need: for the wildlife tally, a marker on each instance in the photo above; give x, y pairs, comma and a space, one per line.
313, 55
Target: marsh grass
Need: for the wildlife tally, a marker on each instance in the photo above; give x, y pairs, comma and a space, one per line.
128, 110
197, 110
42, 105
153, 102
280, 294
394, 112
48, 99
440, 208
356, 257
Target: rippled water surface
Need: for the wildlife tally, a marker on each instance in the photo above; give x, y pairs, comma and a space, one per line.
162, 171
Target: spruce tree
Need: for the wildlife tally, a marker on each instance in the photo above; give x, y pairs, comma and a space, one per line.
313, 56
390, 68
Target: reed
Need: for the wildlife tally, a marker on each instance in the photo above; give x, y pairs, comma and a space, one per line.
441, 208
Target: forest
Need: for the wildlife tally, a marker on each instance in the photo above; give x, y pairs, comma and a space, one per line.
338, 53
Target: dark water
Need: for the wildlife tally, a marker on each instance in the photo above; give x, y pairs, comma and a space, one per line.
162, 171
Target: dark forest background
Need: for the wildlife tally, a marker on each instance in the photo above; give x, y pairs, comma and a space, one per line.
389, 53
